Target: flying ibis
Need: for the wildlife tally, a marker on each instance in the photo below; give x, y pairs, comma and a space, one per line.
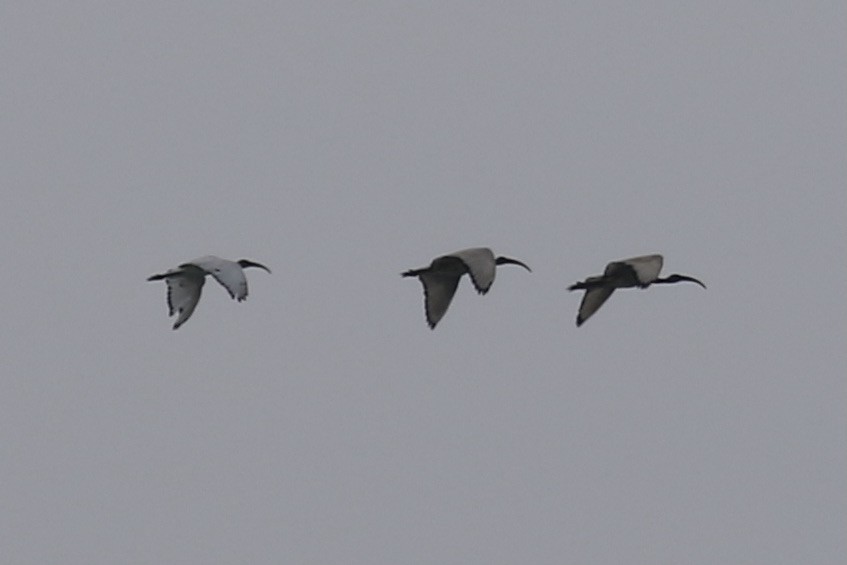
442, 276
186, 282
626, 273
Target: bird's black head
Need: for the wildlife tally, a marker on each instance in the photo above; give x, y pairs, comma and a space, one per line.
682, 278
507, 261
245, 263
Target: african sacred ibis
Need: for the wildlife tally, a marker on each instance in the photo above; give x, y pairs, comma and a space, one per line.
626, 273
186, 281
442, 276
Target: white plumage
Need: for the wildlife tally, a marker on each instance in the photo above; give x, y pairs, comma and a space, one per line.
442, 276
635, 272
184, 289
646, 267
185, 283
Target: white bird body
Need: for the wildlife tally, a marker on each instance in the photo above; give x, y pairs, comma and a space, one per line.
185, 283
441, 278
638, 272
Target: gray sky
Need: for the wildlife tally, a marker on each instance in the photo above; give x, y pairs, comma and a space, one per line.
321, 421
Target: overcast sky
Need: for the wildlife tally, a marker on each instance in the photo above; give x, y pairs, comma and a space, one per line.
321, 421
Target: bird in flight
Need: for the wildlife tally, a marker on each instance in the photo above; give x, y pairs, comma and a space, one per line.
638, 272
442, 276
185, 283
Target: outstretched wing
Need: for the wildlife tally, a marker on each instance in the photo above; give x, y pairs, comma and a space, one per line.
591, 302
231, 277
644, 269
481, 266
228, 273
438, 293
183, 296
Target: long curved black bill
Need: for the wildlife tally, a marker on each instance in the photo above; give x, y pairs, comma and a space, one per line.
508, 261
